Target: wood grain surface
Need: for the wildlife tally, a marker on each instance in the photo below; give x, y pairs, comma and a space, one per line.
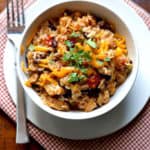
8, 128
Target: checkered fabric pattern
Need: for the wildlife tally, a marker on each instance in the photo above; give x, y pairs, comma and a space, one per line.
135, 136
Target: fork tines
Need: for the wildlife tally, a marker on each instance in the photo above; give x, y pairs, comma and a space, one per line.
15, 16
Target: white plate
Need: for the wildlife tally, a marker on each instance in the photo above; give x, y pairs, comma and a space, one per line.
110, 122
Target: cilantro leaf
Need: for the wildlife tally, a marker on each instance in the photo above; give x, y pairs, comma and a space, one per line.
67, 56
31, 47
69, 43
100, 62
75, 34
76, 58
82, 77
73, 77
84, 70
107, 59
72, 49
91, 43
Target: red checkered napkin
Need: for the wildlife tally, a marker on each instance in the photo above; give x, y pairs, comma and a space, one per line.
135, 136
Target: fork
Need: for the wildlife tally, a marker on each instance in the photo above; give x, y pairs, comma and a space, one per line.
15, 26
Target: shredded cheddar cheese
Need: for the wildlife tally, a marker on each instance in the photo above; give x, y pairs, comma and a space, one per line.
63, 71
41, 48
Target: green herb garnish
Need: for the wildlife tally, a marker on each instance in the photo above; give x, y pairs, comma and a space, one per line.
74, 77
68, 43
82, 77
107, 59
31, 47
84, 70
67, 56
91, 43
100, 62
76, 58
72, 49
75, 34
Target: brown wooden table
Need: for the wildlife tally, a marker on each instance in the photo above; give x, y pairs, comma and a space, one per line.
8, 128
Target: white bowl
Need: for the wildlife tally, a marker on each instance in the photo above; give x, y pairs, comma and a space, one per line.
98, 10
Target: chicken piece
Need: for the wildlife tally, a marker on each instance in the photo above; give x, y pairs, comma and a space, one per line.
91, 104
103, 98
111, 87
122, 63
53, 89
33, 58
65, 21
82, 104
76, 92
101, 85
33, 78
105, 71
32, 67
84, 86
87, 104
54, 103
54, 65
64, 82
120, 77
107, 36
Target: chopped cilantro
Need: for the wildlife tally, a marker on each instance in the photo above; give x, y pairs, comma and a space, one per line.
76, 58
82, 77
31, 47
68, 43
84, 70
91, 43
67, 56
107, 59
75, 34
100, 62
72, 49
74, 77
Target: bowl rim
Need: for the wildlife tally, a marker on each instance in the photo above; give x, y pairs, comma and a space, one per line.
84, 115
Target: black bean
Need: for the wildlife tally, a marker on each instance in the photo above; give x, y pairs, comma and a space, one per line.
105, 25
68, 94
67, 12
85, 34
130, 62
51, 25
105, 76
91, 92
26, 60
36, 87
98, 18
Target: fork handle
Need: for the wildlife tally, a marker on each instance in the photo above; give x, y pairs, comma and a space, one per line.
22, 134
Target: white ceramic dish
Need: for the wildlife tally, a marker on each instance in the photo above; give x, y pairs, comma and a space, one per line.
100, 11
108, 123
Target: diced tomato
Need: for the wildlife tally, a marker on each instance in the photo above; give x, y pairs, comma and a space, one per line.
121, 62
85, 63
48, 41
73, 40
93, 81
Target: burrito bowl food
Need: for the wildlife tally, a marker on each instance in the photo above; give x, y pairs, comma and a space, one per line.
76, 62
